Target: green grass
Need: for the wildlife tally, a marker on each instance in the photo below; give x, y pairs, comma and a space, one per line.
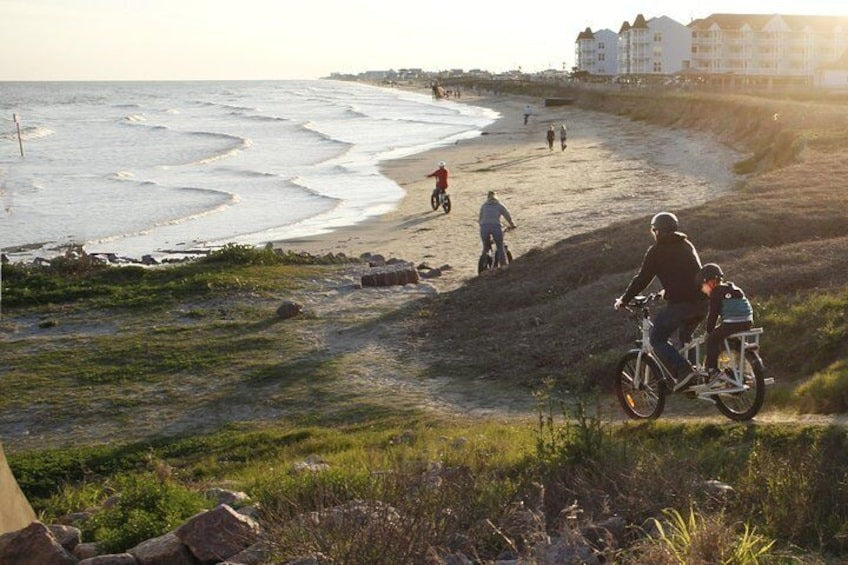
789, 481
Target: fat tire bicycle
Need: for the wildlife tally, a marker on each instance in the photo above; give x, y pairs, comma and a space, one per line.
488, 259
440, 198
642, 381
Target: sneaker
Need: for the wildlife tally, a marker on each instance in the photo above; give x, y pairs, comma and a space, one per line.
688, 380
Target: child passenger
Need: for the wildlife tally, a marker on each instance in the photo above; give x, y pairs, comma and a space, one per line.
729, 302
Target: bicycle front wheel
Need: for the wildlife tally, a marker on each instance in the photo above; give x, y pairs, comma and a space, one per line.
743, 405
434, 199
645, 399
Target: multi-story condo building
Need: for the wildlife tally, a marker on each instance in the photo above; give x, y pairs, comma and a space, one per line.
774, 46
597, 52
656, 46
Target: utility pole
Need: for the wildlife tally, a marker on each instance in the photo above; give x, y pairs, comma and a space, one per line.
20, 142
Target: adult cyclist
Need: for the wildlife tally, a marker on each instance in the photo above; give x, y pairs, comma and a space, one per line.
675, 262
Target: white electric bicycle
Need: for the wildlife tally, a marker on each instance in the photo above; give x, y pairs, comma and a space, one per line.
642, 381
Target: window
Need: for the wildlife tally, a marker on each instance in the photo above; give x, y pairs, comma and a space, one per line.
658, 36
601, 56
600, 45
657, 67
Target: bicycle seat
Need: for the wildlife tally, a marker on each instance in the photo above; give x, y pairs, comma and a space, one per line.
640, 300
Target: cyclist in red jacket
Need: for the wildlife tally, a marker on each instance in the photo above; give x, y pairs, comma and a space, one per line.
441, 175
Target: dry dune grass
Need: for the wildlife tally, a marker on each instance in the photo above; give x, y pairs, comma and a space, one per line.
784, 232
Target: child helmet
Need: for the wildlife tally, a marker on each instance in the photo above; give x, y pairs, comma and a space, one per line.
709, 272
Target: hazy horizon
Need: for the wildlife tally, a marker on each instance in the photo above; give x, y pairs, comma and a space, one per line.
112, 40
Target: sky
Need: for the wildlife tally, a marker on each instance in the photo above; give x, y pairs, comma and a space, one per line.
306, 39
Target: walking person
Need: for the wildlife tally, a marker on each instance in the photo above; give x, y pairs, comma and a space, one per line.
551, 137
563, 136
528, 110
490, 224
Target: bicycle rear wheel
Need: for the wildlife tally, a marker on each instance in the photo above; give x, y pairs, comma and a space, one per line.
743, 405
446, 205
485, 262
645, 401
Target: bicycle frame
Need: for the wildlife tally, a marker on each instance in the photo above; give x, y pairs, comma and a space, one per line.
693, 350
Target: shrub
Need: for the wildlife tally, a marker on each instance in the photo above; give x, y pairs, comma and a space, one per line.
826, 392
148, 506
701, 538
242, 254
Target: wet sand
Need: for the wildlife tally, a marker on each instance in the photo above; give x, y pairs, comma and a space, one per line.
613, 169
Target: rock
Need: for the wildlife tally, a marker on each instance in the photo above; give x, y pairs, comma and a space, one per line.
313, 464
289, 309
396, 274
256, 554
607, 534
75, 518
67, 536
110, 559
112, 501
251, 510
354, 515
33, 545
165, 550
431, 274
218, 534
314, 559
373, 259
233, 499
565, 552
149, 260
85, 550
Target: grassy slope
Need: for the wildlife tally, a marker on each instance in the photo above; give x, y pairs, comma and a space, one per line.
781, 236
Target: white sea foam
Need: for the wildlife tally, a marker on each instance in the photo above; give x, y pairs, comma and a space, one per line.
137, 168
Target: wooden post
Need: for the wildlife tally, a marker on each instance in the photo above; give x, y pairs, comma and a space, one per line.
20, 142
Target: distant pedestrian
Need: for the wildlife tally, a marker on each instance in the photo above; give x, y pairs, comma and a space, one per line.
551, 137
528, 110
563, 136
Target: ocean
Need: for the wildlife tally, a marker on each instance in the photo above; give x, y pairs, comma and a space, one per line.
177, 168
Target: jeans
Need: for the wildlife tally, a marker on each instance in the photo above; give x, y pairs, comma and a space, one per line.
716, 338
497, 234
681, 316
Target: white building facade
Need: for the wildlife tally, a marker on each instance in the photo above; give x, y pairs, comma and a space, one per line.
659, 46
760, 45
597, 52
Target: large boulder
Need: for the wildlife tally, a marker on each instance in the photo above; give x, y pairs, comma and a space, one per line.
33, 545
218, 534
164, 550
67, 536
110, 559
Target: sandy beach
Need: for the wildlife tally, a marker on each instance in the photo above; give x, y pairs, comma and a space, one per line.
613, 168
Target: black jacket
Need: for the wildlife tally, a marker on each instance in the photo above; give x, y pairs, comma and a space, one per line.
675, 262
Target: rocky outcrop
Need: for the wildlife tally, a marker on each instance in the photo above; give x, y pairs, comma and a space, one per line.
33, 545
218, 534
163, 550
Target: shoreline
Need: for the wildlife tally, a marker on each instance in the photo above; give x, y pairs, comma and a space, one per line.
613, 168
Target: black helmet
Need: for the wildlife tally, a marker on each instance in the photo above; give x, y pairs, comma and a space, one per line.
709, 272
664, 222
